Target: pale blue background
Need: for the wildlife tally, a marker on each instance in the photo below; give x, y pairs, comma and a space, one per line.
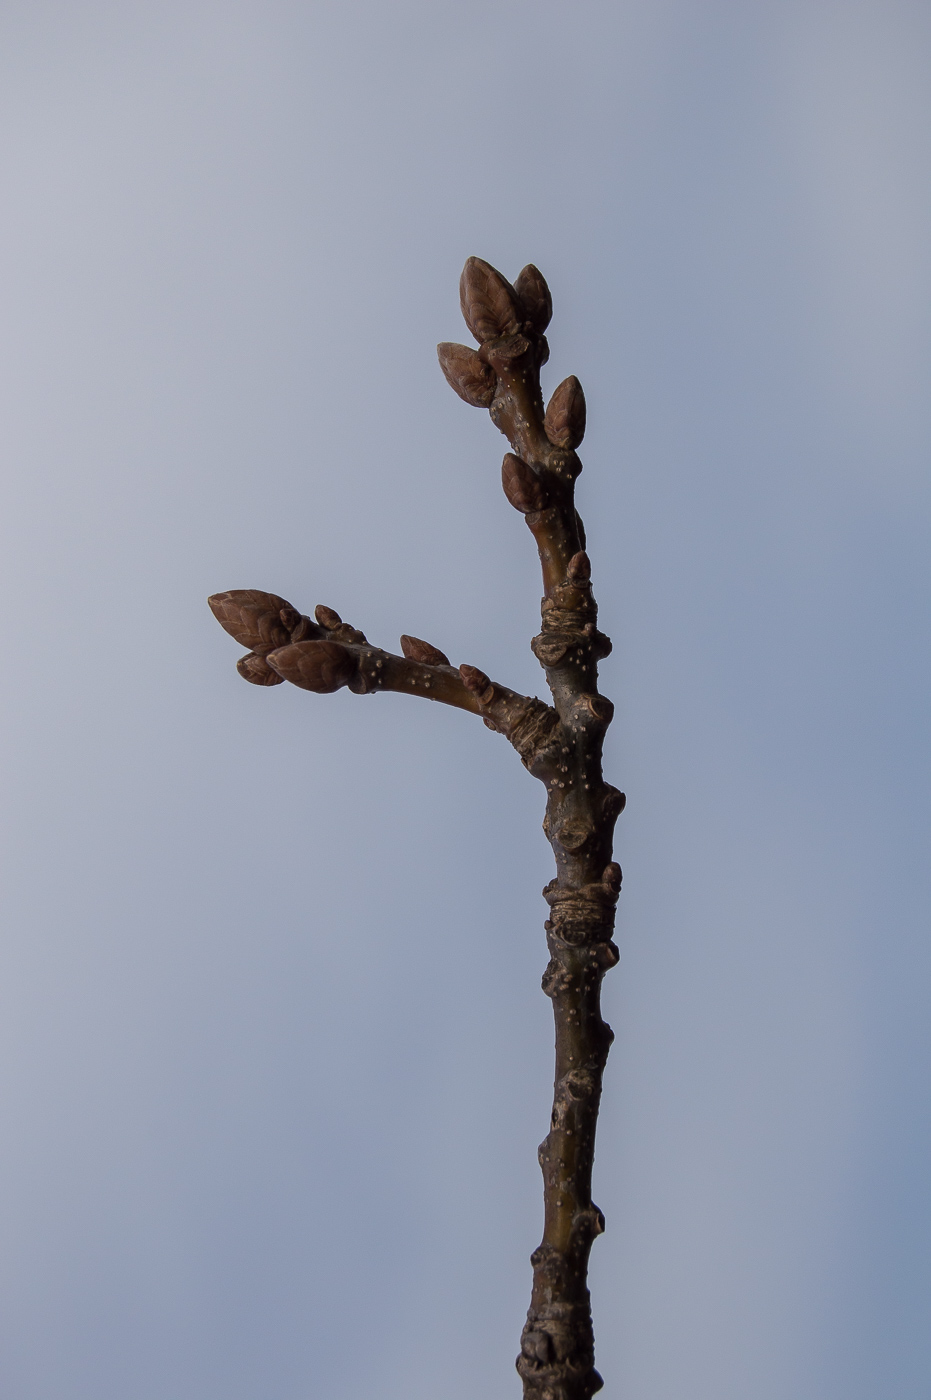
274, 1060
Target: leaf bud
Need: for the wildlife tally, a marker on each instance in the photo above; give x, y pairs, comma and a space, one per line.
259, 621
534, 296
327, 617
565, 415
472, 379
489, 304
256, 670
522, 486
579, 568
319, 666
475, 680
416, 650
306, 631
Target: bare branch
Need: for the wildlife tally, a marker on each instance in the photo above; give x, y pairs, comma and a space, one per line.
561, 744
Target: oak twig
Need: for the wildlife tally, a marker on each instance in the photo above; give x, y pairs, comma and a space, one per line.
561, 744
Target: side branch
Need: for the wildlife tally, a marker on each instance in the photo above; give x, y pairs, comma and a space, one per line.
326, 654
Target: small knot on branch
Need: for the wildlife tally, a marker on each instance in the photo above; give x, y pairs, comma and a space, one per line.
592, 711
581, 916
611, 877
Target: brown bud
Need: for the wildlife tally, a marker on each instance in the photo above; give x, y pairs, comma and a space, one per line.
522, 486
580, 567
306, 631
259, 621
416, 650
327, 617
257, 670
565, 415
489, 305
319, 666
534, 296
472, 379
475, 680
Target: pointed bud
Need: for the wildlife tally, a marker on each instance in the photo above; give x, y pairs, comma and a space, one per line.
257, 670
475, 680
580, 567
472, 379
489, 305
259, 621
327, 617
565, 415
416, 650
319, 666
306, 631
534, 297
522, 486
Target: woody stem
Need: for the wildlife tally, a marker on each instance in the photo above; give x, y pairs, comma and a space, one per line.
557, 1345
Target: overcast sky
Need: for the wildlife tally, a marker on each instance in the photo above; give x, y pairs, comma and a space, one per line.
274, 1059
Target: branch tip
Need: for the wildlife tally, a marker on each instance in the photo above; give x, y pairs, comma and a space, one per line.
260, 621
534, 295
490, 307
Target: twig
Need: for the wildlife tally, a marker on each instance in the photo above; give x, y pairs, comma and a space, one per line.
561, 744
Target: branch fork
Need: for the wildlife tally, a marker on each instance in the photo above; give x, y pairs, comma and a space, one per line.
559, 743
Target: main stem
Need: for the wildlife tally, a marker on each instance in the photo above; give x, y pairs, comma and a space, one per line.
557, 1345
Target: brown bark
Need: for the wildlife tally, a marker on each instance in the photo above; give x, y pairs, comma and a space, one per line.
561, 744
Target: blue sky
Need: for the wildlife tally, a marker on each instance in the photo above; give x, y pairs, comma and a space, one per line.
274, 1060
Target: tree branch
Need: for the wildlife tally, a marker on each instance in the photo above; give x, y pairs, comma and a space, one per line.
561, 744
327, 654
538, 475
